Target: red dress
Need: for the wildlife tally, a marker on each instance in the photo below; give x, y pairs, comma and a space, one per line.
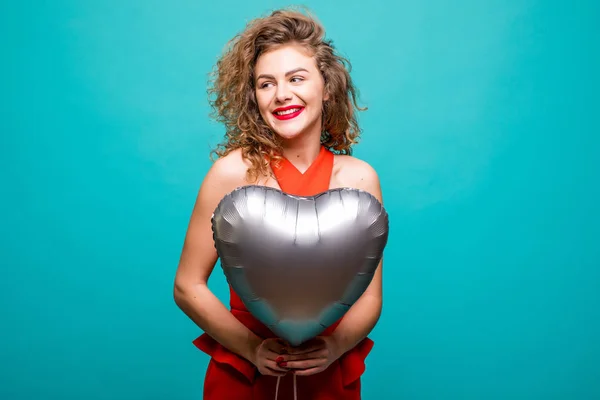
230, 376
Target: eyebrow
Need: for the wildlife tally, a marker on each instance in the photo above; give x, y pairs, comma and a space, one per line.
266, 76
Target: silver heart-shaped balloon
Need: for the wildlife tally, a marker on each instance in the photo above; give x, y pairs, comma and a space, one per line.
299, 262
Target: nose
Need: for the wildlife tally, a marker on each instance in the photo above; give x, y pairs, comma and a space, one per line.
282, 93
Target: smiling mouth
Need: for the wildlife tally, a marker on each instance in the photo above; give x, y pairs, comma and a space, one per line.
289, 113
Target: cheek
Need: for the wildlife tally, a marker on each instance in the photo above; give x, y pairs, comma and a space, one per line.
313, 93
262, 103
314, 98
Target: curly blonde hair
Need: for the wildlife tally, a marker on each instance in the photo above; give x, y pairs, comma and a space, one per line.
234, 100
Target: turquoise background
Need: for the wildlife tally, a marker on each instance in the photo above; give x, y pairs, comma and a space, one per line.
483, 125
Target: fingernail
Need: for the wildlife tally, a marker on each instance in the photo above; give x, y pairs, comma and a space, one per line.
279, 359
283, 364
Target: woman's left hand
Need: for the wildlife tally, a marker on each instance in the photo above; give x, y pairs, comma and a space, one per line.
311, 357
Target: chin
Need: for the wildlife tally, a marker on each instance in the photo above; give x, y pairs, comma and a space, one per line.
287, 132
291, 132
287, 135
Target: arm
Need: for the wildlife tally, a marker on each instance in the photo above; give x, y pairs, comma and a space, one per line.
362, 317
196, 263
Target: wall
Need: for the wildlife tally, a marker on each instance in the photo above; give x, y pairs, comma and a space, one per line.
482, 124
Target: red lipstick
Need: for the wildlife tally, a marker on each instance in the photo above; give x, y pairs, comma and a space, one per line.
290, 115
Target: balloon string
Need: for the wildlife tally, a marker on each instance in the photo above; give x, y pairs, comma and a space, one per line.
295, 389
277, 388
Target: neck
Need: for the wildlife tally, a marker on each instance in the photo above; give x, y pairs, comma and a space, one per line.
303, 150
302, 153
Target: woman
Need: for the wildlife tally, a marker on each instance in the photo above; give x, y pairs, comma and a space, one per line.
288, 103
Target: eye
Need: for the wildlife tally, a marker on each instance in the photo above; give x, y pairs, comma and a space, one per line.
264, 85
297, 79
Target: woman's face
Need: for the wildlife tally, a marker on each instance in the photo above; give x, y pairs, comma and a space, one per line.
289, 91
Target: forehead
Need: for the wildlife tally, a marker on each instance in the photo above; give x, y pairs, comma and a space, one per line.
284, 58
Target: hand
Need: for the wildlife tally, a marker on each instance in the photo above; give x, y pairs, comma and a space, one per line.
311, 357
265, 357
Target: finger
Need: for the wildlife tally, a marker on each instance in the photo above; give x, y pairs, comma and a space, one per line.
307, 348
305, 351
269, 371
271, 355
309, 371
276, 345
321, 353
275, 367
306, 364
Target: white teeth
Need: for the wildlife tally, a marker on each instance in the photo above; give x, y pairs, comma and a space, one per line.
293, 110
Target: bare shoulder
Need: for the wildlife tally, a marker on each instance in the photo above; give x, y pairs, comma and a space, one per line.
227, 173
353, 172
198, 256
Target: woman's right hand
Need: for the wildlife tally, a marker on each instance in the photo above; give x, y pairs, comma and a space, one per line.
197, 261
266, 357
